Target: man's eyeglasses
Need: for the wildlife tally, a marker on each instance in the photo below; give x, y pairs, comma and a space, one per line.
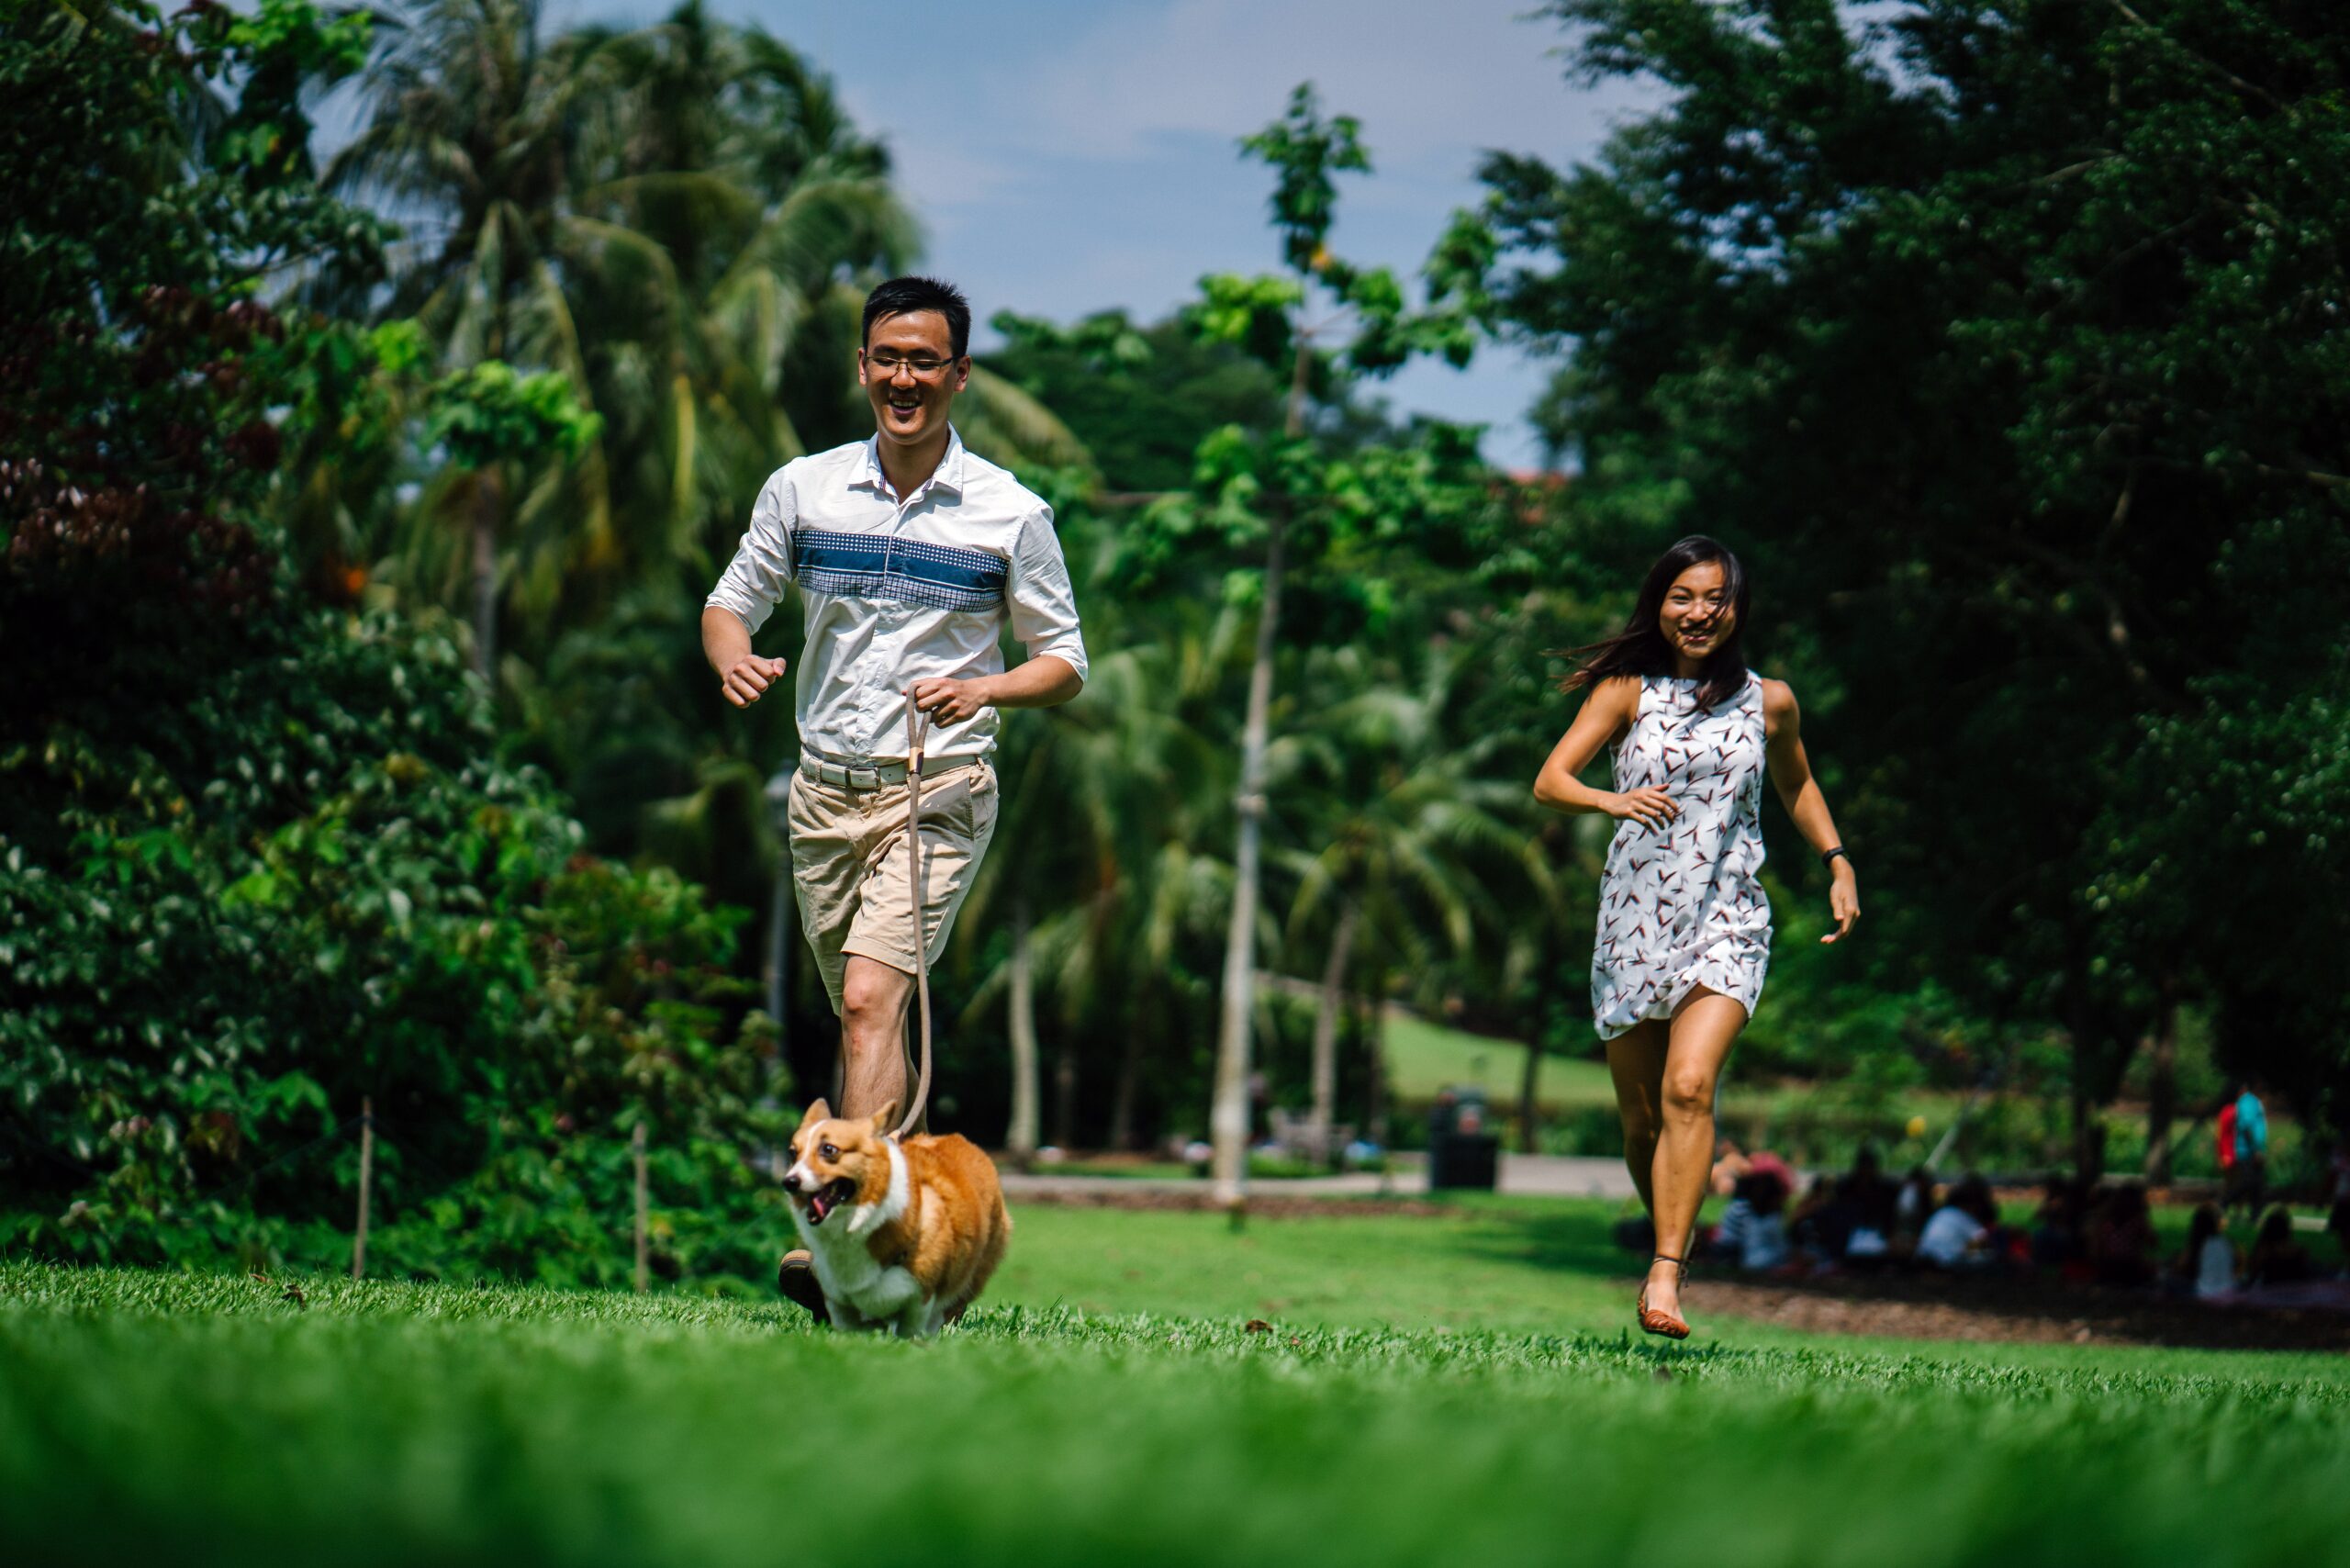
887, 363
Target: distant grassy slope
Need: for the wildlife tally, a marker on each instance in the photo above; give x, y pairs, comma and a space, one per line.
1422, 1058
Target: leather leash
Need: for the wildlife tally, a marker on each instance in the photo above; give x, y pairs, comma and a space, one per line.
917, 731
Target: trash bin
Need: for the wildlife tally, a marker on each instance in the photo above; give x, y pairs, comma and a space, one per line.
1461, 1153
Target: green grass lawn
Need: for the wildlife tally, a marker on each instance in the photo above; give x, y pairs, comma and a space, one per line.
1422, 1057
1432, 1390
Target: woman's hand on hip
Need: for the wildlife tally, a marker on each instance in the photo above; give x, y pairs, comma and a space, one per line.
1649, 806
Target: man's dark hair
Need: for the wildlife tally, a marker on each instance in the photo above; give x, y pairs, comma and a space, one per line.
902, 296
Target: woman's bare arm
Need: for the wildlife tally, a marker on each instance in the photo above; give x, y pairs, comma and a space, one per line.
1799, 792
1608, 712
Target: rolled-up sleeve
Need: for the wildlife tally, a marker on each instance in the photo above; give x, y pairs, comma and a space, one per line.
754, 581
1043, 608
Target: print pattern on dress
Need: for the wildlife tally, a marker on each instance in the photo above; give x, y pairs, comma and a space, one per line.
1683, 905
875, 565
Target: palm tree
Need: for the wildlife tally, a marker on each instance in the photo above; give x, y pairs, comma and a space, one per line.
1102, 799
1422, 851
727, 214
468, 141
679, 219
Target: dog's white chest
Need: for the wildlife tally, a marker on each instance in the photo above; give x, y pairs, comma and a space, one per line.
844, 1262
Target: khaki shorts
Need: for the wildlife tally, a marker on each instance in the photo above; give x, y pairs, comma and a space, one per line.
849, 871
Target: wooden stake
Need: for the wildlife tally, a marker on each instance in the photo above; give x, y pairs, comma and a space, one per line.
367, 1179
636, 1142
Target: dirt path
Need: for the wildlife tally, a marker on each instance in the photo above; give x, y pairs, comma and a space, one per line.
2015, 1311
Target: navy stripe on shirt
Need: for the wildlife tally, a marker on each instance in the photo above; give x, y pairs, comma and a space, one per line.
874, 566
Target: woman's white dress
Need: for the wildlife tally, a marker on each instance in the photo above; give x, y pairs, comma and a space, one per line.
1682, 906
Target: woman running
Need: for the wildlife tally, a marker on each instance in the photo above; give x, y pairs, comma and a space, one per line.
1684, 929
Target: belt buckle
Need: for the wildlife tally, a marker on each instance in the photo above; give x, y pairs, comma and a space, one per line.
863, 778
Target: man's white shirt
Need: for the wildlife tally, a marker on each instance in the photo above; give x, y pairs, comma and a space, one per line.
901, 591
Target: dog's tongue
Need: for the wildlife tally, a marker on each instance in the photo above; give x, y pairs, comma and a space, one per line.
819, 1205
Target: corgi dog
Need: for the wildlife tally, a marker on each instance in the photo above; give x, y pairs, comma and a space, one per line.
902, 1234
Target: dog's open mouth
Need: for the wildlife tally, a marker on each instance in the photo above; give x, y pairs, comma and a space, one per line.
828, 1197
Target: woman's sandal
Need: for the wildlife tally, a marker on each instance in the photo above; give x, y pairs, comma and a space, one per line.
1671, 1324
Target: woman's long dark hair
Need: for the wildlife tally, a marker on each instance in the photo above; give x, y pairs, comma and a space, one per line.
1641, 649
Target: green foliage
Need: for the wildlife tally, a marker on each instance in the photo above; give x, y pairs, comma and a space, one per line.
1140, 399
1999, 337
1250, 313
486, 414
258, 859
1305, 150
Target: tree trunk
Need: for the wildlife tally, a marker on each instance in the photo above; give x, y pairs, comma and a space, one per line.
1020, 1140
1129, 1089
781, 909
1065, 1095
2161, 1086
1374, 1039
1228, 1117
485, 510
1529, 1094
1326, 1035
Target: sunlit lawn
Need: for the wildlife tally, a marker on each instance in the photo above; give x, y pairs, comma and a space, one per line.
1429, 1390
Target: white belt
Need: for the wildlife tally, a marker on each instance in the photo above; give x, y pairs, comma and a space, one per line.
868, 774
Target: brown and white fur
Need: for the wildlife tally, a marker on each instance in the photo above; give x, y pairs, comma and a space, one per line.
903, 1234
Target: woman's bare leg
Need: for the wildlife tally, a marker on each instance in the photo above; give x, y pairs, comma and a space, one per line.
1705, 1027
1636, 1063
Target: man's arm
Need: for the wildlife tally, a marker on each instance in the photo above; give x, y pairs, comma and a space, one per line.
1046, 681
743, 675
752, 583
1043, 613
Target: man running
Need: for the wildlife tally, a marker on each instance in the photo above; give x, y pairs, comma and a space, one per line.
911, 556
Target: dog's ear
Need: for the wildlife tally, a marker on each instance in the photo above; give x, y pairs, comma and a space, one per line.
885, 1119
819, 1112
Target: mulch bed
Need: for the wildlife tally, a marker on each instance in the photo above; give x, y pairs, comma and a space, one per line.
1914, 1306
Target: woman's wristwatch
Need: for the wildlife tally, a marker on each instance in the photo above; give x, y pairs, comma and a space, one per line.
1827, 856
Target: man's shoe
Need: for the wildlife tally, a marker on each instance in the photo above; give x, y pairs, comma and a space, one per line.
796, 1278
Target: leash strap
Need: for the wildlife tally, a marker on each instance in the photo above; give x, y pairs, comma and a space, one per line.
917, 731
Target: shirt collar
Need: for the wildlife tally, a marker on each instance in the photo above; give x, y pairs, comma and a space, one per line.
949, 475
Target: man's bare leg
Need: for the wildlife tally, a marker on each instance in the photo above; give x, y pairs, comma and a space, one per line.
874, 1000
872, 1073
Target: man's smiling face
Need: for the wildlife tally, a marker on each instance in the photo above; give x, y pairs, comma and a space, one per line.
911, 376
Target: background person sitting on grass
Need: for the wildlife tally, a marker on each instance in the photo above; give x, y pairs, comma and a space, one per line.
2056, 1225
2120, 1237
1913, 1203
2276, 1257
1754, 1231
1959, 1233
2207, 1265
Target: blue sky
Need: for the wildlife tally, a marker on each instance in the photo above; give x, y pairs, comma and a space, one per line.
1070, 157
